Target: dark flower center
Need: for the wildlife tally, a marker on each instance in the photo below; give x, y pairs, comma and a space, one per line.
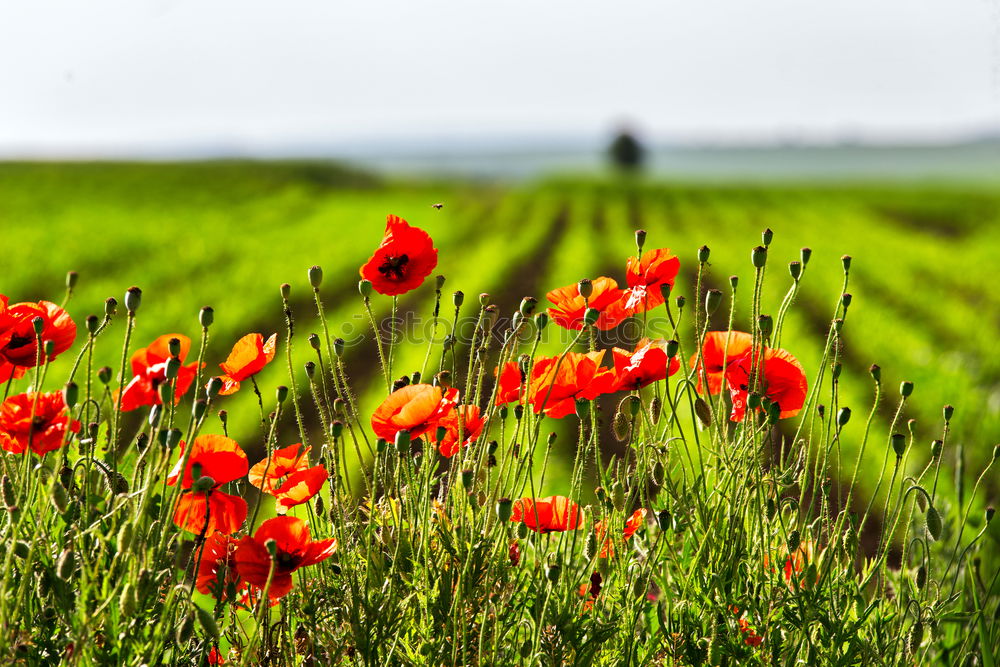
17, 341
393, 266
38, 423
286, 562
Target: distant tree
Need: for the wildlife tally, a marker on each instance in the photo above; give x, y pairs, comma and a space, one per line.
626, 152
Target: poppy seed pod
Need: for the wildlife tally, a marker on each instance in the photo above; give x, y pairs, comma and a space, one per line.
174, 435
380, 445
795, 269
365, 288
338, 347
990, 511
733, 282
585, 287
846, 298
590, 316
338, 406
515, 321
310, 367
766, 325
835, 370
518, 411
402, 441
758, 256
905, 388
155, 412
793, 541
166, 393
673, 345
286, 290
93, 324
66, 565
936, 449
199, 408
551, 439
38, 324
315, 274
753, 400
206, 316
214, 387
110, 306
133, 298
458, 298
805, 254
838, 325
71, 393
640, 238
876, 372
552, 572
665, 290
541, 321
71, 279
703, 253
766, 236
173, 366
680, 302
484, 299
898, 441
281, 393
468, 477
504, 509
203, 484
49, 346
846, 261
582, 408
663, 520
712, 300
528, 305
949, 412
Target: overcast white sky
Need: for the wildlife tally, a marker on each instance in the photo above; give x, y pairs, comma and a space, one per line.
122, 76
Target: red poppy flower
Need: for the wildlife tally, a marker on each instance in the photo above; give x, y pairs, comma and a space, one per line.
222, 460
18, 348
416, 408
509, 383
215, 658
38, 421
268, 474
721, 349
149, 371
646, 365
578, 376
514, 553
632, 524
783, 381
249, 356
295, 549
402, 261
544, 515
646, 275
569, 305
299, 488
472, 426
217, 567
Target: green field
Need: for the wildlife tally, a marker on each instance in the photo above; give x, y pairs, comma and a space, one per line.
926, 303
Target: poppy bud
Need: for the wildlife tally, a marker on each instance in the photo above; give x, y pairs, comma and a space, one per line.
185, 628
804, 255
71, 393
838, 324
590, 546
663, 520
703, 253
155, 412
166, 391
601, 494
590, 316
712, 300
93, 324
618, 494
490, 317
765, 324
673, 345
795, 268
758, 256
468, 477
936, 449
753, 400
585, 287
582, 408
522, 531
198, 409
551, 440
71, 279
552, 572
49, 346
281, 393
846, 299
285, 290
66, 565
338, 347
905, 388
541, 321
990, 511
528, 305
835, 370
7, 490
504, 509
60, 500
843, 416
315, 274
621, 427
174, 434
458, 298
338, 406
949, 411
38, 324
380, 445
846, 261
207, 622
110, 306
203, 484
665, 290
133, 297
206, 316
402, 441
933, 520
898, 441
213, 387
876, 372
640, 238
365, 288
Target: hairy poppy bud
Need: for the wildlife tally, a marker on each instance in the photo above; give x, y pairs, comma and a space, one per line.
590, 546
804, 255
795, 268
590, 316
846, 261
133, 298
60, 500
522, 531
281, 393
458, 298
206, 316
468, 477
66, 565
7, 491
338, 347
315, 274
758, 256
71, 393
905, 388
713, 298
504, 509
110, 306
552, 572
93, 324
585, 287
898, 444
949, 411
793, 541
365, 288
640, 238
618, 494
71, 279
936, 449
843, 416
703, 253
621, 426
933, 520
655, 407
402, 441
49, 346
664, 520
876, 372
528, 305
207, 622
766, 236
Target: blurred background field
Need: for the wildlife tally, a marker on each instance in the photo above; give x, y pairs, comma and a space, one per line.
926, 302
